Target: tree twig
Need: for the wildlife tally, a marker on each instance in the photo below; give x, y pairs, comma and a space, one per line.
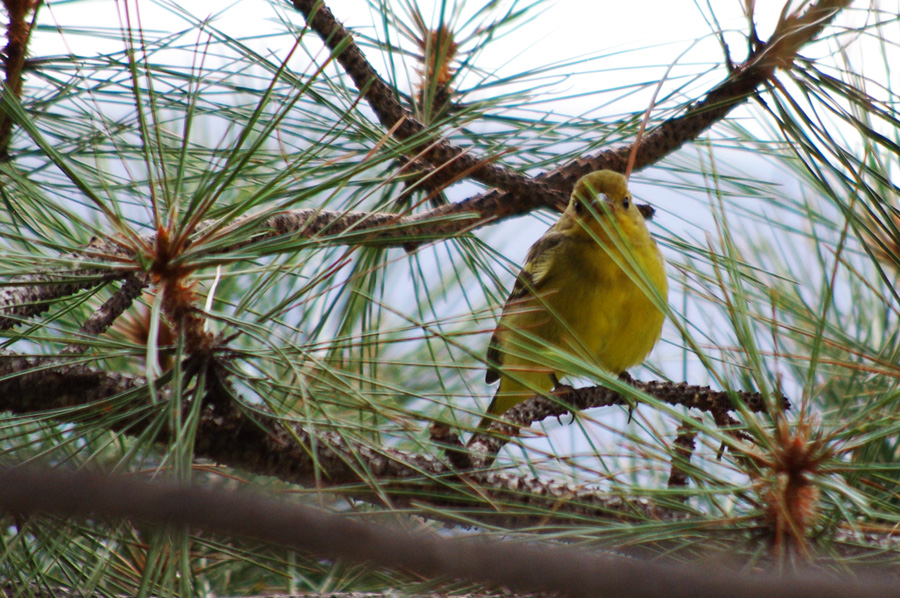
681, 455
485, 445
114, 307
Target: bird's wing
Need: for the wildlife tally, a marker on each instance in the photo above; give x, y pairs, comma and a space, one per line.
538, 264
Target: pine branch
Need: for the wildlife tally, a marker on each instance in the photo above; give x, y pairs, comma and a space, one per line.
518, 194
452, 161
115, 306
683, 448
267, 445
567, 571
18, 34
485, 446
33, 294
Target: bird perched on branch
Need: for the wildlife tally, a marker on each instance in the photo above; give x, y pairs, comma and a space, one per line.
593, 286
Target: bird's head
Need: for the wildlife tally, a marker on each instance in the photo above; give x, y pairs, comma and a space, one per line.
601, 199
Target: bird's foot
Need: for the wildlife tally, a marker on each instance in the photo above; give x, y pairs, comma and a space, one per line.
560, 388
627, 379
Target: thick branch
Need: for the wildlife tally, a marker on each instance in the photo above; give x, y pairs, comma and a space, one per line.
566, 571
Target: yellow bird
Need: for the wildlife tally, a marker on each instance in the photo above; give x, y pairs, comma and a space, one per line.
587, 288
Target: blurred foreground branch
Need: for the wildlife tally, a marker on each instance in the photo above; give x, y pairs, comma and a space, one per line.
570, 572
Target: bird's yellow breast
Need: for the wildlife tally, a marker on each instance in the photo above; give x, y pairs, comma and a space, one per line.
625, 321
592, 286
592, 308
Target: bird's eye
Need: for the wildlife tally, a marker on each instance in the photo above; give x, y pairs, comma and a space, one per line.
579, 207
626, 202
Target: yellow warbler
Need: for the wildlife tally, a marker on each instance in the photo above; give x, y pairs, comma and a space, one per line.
587, 288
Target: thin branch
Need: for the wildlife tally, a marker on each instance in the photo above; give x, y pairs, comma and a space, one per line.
33, 294
484, 446
18, 33
681, 455
452, 160
114, 307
